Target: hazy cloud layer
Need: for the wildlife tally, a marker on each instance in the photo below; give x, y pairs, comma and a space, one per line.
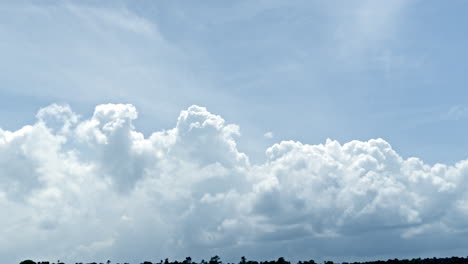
93, 188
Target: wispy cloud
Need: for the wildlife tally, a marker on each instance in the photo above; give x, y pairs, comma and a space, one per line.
268, 135
456, 112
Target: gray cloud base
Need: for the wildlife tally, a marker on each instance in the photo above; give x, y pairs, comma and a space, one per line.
96, 189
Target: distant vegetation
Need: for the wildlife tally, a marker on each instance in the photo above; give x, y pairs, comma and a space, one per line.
217, 260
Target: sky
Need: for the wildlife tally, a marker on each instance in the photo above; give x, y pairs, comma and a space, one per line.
140, 130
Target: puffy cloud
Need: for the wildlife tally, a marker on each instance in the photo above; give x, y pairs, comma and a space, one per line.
82, 189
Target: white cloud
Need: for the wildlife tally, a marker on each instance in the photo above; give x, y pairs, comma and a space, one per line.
86, 189
268, 135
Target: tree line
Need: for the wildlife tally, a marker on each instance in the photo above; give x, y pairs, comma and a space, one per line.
281, 260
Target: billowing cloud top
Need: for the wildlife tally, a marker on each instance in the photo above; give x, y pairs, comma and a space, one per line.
88, 189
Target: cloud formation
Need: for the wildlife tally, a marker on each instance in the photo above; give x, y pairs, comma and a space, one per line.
85, 188
268, 135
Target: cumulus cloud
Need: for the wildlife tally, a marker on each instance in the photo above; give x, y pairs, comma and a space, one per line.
85, 188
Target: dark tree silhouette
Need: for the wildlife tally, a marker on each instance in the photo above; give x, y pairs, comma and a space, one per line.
28, 261
281, 260
188, 260
243, 260
215, 260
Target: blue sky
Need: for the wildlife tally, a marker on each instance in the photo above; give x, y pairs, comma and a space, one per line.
305, 71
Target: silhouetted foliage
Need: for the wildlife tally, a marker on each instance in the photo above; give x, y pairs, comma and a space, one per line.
215, 260
281, 260
28, 261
